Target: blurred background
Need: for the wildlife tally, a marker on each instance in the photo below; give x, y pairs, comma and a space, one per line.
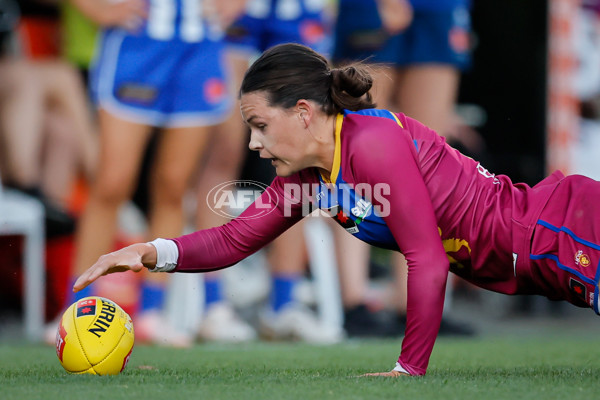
527, 105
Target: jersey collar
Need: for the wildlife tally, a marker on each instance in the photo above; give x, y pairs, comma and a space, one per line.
337, 158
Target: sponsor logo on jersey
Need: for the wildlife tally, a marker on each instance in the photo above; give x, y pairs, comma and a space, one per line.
578, 288
582, 259
342, 218
361, 209
487, 174
86, 307
458, 252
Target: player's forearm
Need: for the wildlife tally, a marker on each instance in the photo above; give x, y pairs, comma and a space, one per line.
265, 219
210, 250
425, 304
270, 215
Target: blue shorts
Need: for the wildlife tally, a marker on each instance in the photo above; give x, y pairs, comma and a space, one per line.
433, 37
161, 83
257, 30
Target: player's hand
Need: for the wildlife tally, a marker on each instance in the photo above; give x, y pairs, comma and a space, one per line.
393, 374
130, 258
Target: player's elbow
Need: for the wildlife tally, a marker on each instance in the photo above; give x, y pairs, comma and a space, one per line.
436, 268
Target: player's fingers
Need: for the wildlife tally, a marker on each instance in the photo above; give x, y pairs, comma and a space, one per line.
88, 277
93, 273
102, 268
82, 282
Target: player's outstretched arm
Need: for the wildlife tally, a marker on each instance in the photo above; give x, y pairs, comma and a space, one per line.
130, 258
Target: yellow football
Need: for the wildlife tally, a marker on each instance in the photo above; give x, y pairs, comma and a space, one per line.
95, 336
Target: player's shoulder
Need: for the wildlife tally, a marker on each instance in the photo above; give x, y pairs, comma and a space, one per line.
372, 125
375, 116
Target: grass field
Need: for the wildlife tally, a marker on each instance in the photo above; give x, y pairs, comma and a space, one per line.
515, 367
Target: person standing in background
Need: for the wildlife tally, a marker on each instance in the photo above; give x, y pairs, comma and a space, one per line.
417, 50
47, 136
158, 64
266, 23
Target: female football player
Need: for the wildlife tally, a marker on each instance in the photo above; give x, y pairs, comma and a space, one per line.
393, 182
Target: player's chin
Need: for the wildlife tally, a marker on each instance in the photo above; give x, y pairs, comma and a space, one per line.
284, 170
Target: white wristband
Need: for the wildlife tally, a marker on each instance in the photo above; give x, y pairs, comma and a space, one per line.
400, 368
167, 255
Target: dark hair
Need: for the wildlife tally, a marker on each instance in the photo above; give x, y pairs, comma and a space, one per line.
290, 72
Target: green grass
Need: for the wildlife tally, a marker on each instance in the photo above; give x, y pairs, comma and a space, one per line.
486, 368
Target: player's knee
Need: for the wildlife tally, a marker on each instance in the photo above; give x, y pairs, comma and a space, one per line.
111, 190
168, 186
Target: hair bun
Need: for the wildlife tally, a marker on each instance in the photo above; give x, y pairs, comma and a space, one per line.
352, 80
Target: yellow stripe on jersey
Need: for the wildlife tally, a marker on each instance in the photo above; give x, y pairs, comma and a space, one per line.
397, 120
337, 154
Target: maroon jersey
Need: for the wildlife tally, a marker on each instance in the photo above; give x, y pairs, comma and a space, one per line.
397, 184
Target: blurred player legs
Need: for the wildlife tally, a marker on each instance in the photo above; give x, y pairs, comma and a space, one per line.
164, 76
418, 75
283, 317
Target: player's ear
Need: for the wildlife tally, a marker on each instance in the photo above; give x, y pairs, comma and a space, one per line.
304, 110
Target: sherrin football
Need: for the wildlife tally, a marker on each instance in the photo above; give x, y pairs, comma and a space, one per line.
95, 336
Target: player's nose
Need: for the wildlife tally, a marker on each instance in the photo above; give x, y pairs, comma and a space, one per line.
255, 144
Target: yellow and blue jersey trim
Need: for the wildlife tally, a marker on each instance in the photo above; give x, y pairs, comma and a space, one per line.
376, 112
339, 198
